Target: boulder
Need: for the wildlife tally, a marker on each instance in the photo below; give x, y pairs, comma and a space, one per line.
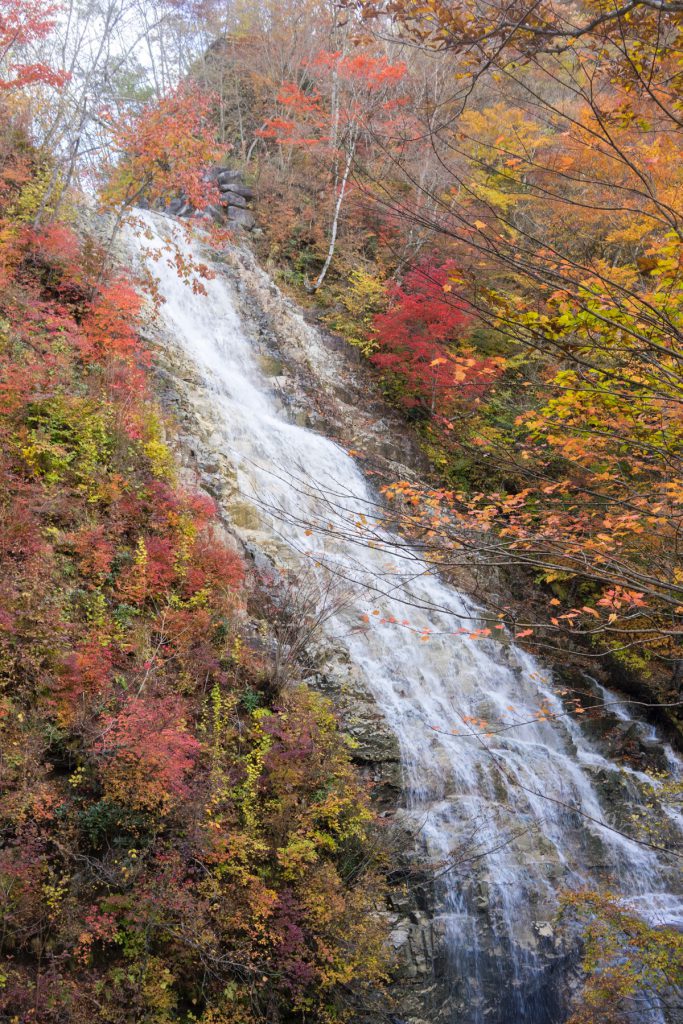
242, 218
233, 199
238, 189
216, 213
224, 178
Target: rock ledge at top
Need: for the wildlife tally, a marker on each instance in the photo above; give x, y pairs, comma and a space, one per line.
233, 206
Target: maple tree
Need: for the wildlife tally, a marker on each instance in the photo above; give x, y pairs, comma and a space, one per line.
351, 95
149, 753
421, 343
164, 148
23, 22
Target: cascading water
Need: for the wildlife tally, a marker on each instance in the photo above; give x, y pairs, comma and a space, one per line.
507, 813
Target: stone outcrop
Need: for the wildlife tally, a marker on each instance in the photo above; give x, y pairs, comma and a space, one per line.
234, 208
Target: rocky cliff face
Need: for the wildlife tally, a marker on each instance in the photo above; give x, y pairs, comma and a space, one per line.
319, 385
234, 206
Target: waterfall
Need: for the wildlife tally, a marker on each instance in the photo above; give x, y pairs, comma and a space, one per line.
507, 813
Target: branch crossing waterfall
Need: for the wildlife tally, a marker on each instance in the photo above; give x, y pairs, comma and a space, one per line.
506, 815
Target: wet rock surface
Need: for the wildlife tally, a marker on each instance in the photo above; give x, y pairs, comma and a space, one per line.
427, 987
421, 990
316, 385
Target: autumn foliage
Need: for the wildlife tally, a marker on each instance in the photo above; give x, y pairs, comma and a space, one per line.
22, 22
163, 149
421, 343
489, 210
175, 832
560, 204
364, 82
495, 223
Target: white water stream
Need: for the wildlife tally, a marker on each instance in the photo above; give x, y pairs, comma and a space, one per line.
508, 818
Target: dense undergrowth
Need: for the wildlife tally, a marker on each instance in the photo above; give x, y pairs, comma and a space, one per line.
180, 839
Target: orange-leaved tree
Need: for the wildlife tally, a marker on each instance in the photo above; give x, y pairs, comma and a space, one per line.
22, 23
349, 97
162, 150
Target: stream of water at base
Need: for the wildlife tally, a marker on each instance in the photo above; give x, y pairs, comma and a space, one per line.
507, 819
